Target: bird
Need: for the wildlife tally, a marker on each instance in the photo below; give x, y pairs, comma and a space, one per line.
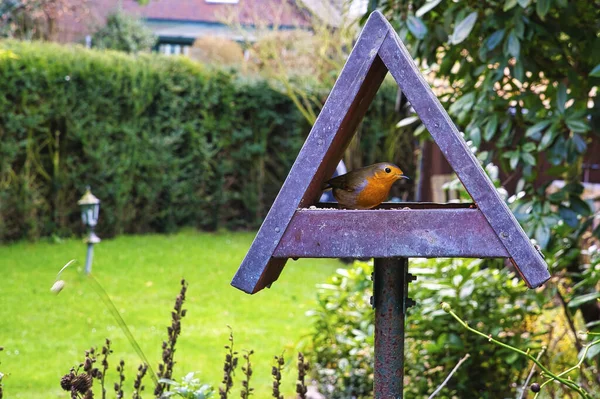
365, 188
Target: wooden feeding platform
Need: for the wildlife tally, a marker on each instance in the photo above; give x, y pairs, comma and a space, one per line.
299, 227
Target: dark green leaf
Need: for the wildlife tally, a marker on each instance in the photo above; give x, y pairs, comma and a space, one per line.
518, 71
580, 206
580, 144
428, 6
568, 215
511, 358
542, 235
494, 39
524, 3
596, 71
490, 128
514, 46
573, 188
514, 160
558, 197
537, 128
508, 4
528, 158
528, 147
463, 28
547, 139
416, 27
519, 28
542, 7
577, 126
464, 103
561, 98
592, 352
581, 299
475, 136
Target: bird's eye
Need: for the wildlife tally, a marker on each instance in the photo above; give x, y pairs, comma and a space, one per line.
388, 170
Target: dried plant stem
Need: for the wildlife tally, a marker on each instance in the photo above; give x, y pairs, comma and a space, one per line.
547, 373
443, 384
276, 373
119, 385
303, 368
137, 384
165, 369
105, 351
229, 366
526, 383
247, 370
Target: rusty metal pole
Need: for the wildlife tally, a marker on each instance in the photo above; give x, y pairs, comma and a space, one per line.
390, 299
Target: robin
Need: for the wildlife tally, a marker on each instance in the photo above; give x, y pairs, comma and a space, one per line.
365, 188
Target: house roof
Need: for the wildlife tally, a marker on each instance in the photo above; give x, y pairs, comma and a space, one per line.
272, 12
184, 17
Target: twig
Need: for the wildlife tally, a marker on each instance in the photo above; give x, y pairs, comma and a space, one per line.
526, 383
577, 366
443, 384
547, 373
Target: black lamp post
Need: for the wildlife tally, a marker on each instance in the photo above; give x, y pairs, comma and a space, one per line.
90, 209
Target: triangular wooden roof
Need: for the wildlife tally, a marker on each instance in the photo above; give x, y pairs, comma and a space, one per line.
485, 229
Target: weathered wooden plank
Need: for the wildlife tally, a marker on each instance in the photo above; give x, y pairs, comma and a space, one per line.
414, 233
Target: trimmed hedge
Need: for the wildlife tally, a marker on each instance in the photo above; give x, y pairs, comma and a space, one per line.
163, 141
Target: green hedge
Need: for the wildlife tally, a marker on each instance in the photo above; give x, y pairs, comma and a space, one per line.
162, 141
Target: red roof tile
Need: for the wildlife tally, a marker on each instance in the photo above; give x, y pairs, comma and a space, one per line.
279, 12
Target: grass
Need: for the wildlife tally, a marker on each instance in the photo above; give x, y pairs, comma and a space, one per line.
44, 335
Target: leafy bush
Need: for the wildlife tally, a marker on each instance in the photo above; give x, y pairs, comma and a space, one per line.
494, 300
162, 141
124, 32
216, 51
521, 79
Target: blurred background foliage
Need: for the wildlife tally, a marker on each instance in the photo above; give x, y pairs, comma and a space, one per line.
124, 32
164, 142
167, 142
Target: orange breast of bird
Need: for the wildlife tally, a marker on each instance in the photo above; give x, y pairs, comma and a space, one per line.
374, 193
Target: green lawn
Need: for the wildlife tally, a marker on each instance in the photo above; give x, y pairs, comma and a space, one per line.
44, 334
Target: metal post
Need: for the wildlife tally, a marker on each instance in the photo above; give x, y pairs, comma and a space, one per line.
88, 258
390, 300
90, 240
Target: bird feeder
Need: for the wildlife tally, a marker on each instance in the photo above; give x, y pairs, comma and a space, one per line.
298, 227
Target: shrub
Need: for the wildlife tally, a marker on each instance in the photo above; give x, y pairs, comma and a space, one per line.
217, 51
494, 300
162, 141
124, 32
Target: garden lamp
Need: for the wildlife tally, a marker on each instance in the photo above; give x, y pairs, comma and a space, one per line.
90, 209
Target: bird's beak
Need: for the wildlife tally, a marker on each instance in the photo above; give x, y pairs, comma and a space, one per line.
404, 177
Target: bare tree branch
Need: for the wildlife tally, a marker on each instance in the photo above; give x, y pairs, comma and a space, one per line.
443, 384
